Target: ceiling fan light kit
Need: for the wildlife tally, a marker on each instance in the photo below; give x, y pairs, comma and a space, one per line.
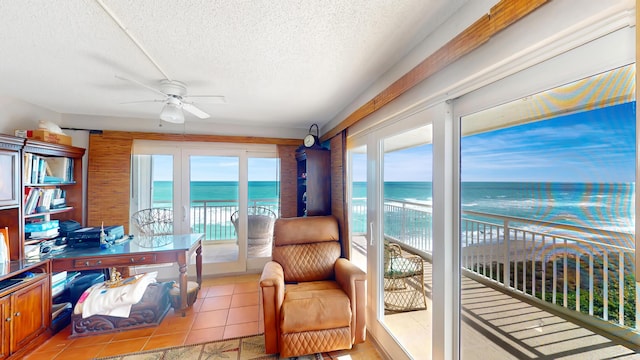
172, 112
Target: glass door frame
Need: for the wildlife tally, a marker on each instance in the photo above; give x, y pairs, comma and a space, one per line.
446, 270
240, 265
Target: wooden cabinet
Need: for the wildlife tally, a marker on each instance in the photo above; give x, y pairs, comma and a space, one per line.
25, 285
314, 181
10, 195
28, 319
25, 307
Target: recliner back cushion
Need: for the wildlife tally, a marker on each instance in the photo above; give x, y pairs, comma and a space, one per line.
308, 262
303, 230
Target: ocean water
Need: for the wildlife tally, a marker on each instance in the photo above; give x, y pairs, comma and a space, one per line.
599, 206
215, 190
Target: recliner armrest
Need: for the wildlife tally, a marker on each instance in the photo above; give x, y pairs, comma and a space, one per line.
272, 293
354, 283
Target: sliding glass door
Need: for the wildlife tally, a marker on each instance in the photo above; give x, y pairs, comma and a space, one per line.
210, 189
390, 216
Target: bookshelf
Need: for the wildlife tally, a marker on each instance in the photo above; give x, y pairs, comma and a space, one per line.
52, 188
314, 181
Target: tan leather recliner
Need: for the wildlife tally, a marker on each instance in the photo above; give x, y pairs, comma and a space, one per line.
313, 300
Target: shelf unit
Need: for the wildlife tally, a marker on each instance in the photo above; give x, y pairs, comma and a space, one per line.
314, 181
72, 189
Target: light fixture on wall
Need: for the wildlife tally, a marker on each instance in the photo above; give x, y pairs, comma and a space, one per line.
172, 111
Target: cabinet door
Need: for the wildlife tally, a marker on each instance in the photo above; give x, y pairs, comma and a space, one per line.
30, 312
5, 326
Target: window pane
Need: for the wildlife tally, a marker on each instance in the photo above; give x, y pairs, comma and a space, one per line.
547, 198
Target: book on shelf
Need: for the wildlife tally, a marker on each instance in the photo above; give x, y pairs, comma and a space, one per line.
41, 225
60, 168
41, 169
45, 234
42, 200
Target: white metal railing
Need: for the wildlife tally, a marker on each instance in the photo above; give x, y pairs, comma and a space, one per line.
579, 268
587, 270
213, 217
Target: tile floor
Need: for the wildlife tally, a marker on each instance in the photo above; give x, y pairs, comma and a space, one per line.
225, 308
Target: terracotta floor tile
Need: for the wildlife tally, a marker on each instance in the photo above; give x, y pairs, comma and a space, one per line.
242, 315
245, 287
166, 340
250, 328
216, 303
244, 299
81, 353
204, 335
132, 334
43, 355
91, 340
56, 343
175, 323
220, 290
195, 307
123, 347
209, 319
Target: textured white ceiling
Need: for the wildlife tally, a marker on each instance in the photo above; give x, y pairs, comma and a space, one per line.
278, 63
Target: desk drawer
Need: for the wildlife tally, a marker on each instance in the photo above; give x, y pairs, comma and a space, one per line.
124, 260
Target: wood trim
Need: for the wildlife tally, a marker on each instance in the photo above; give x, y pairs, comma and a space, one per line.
127, 135
503, 14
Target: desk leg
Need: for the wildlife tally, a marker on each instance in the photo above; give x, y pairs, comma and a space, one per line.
183, 287
199, 265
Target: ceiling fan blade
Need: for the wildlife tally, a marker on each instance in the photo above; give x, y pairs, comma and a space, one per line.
141, 84
142, 101
208, 99
195, 111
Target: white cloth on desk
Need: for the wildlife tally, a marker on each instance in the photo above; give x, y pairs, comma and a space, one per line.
117, 301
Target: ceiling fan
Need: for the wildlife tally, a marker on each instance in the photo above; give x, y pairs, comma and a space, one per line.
175, 100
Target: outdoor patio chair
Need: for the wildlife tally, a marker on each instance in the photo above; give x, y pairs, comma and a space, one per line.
403, 280
150, 223
260, 222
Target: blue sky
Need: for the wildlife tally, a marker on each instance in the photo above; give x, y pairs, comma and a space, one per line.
218, 168
592, 146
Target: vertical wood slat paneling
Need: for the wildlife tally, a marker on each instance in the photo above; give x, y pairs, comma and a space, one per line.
108, 185
503, 14
288, 181
338, 191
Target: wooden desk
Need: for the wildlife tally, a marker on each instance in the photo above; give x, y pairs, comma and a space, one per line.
178, 250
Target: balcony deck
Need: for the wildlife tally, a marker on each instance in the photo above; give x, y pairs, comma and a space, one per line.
496, 325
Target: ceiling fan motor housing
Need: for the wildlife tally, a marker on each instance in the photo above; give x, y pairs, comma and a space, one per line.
173, 87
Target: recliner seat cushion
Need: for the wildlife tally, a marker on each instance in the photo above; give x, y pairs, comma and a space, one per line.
314, 306
309, 262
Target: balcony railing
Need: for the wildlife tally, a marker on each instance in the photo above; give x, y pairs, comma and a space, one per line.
582, 269
213, 217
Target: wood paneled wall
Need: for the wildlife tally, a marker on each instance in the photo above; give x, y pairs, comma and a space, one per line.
288, 181
338, 190
109, 170
108, 180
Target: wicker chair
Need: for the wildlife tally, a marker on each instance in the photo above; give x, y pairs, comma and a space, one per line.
150, 223
403, 280
259, 230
